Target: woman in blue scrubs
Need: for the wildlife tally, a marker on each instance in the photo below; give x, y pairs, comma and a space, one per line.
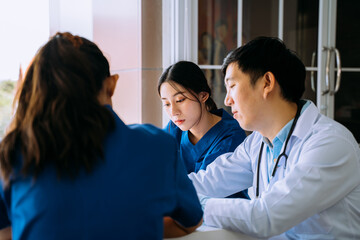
71, 169
202, 131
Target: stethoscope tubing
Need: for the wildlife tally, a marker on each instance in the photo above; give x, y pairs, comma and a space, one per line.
297, 115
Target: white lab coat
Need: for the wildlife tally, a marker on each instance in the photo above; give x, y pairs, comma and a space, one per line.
317, 196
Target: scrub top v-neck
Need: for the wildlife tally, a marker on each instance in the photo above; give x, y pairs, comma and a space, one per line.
223, 137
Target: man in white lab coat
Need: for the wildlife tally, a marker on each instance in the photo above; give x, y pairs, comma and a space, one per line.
303, 166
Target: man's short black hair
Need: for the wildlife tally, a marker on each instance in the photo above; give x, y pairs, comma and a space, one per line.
269, 54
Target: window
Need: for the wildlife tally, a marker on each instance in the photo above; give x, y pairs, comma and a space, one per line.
22, 34
7, 88
217, 35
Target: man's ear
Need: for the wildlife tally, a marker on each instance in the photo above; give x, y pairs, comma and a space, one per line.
111, 84
269, 83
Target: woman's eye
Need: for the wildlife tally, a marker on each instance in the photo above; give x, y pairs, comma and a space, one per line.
232, 85
166, 104
180, 100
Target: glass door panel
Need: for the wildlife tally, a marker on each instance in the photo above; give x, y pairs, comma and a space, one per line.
348, 33
301, 19
217, 30
217, 35
260, 18
300, 30
217, 87
347, 103
310, 85
347, 99
300, 34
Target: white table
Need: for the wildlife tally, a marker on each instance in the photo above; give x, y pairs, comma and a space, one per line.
209, 233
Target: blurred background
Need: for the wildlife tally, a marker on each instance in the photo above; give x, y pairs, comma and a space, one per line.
142, 37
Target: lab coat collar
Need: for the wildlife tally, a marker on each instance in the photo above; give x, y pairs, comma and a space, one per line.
306, 120
303, 125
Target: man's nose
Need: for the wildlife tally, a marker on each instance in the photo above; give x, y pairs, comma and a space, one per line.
228, 100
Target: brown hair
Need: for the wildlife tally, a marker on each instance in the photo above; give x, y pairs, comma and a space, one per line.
59, 119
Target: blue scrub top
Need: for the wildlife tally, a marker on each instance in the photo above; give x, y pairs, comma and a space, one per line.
124, 197
222, 138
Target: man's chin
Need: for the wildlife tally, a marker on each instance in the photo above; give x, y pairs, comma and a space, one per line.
244, 126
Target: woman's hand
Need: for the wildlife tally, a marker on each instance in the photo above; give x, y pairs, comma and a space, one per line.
5, 233
174, 229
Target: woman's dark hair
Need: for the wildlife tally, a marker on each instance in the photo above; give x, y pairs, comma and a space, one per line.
59, 120
268, 54
190, 76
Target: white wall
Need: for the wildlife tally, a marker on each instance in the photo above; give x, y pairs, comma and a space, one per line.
24, 28
128, 33
73, 16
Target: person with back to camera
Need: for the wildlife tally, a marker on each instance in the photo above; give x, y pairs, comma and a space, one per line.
303, 166
202, 131
71, 169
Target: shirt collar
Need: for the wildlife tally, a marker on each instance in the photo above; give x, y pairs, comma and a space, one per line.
281, 136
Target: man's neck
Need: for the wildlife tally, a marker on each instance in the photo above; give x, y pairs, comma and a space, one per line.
281, 113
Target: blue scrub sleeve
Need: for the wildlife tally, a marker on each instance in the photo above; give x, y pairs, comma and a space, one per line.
206, 161
210, 158
4, 219
226, 144
170, 128
221, 148
188, 211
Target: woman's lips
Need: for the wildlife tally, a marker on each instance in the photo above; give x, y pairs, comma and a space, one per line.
179, 122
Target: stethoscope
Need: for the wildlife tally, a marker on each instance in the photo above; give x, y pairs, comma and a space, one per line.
283, 154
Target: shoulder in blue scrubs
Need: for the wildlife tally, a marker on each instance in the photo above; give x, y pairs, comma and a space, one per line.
140, 180
224, 137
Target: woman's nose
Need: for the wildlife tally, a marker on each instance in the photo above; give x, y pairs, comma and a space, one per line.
174, 110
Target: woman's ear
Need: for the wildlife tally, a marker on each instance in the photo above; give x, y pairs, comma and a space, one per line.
108, 89
269, 83
111, 84
203, 96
